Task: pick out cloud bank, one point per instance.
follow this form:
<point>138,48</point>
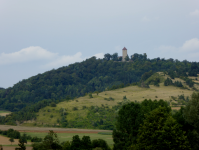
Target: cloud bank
<point>25,55</point>
<point>48,59</point>
<point>194,13</point>
<point>188,50</point>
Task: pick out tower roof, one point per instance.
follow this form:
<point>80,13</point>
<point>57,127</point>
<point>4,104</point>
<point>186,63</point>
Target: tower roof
<point>124,48</point>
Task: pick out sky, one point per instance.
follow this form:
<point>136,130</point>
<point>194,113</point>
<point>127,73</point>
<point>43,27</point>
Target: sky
<point>38,36</point>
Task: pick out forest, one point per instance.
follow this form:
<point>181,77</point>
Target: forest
<point>92,75</point>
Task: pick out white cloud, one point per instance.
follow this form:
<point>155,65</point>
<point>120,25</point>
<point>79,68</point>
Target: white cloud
<point>189,50</point>
<point>25,55</point>
<point>64,61</point>
<point>190,45</point>
<point>194,13</point>
<point>99,55</point>
<point>145,19</point>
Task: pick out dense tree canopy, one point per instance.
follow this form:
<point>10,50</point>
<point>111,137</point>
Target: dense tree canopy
<point>160,131</point>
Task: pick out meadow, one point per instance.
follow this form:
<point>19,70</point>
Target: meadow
<point>49,115</point>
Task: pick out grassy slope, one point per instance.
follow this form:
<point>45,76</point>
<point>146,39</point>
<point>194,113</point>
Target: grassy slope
<point>132,93</point>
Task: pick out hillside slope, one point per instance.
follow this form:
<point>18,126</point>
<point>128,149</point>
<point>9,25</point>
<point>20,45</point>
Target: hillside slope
<point>86,112</point>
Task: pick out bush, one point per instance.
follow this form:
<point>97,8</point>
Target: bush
<point>53,104</point>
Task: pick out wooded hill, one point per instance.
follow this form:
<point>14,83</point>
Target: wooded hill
<point>29,95</point>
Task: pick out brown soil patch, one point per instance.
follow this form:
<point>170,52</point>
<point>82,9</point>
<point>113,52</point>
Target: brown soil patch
<point>4,114</point>
<point>5,141</point>
<point>175,108</point>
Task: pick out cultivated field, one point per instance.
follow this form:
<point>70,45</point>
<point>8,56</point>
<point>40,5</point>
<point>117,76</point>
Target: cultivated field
<point>64,134</point>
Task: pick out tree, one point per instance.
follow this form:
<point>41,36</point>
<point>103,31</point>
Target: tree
<point>53,104</point>
<point>11,140</point>
<point>191,112</point>
<point>50,142</point>
<point>127,58</point>
<point>160,131</point>
<point>191,115</point>
<point>100,144</point>
<point>107,56</point>
<point>21,144</point>
<point>86,143</point>
<point>90,95</point>
<point>128,121</point>
<point>76,143</point>
<point>115,57</point>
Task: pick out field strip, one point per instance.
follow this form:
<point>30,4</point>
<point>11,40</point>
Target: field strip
<point>46,129</point>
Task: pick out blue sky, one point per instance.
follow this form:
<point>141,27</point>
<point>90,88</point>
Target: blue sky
<point>37,36</point>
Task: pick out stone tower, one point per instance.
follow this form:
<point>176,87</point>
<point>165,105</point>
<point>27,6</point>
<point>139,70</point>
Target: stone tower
<point>124,53</point>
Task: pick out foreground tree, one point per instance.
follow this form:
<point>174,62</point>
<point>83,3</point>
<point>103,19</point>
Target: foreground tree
<point>160,131</point>
<point>21,144</point>
<point>191,111</point>
<point>128,121</point>
<point>191,115</point>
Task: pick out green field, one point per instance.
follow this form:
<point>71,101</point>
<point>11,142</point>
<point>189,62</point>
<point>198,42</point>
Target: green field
<point>68,136</point>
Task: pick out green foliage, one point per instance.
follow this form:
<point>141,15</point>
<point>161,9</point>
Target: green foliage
<point>53,104</point>
<point>191,112</point>
<point>21,144</point>
<point>11,133</point>
<point>129,118</point>
<point>50,142</point>
<point>161,131</point>
<point>191,115</point>
<point>11,140</point>
<point>90,95</point>
<point>126,58</point>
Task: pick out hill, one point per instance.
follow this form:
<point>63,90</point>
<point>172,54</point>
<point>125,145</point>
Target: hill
<point>99,112</point>
<point>70,82</point>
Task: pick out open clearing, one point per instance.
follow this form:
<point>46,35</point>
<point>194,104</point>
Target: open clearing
<point>4,113</point>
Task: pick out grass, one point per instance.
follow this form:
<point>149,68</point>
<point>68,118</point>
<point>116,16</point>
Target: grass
<point>133,93</point>
<point>4,111</point>
<point>68,136</point>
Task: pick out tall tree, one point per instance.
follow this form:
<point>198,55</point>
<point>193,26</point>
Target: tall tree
<point>160,131</point>
<point>128,121</point>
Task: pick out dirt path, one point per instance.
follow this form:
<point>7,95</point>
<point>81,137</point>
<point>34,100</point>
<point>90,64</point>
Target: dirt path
<point>57,130</point>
